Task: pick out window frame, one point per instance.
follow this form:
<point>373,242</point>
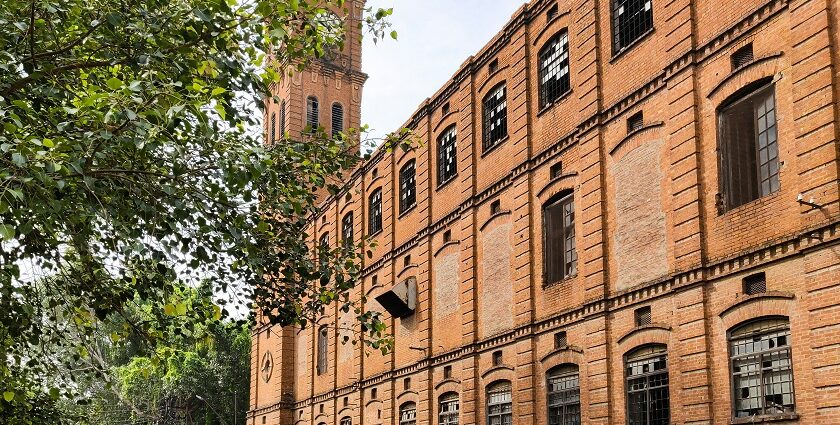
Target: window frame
<point>564,81</point>
<point>568,257</point>
<point>405,409</point>
<point>447,142</point>
<point>375,214</point>
<point>346,421</point>
<point>283,119</point>
<point>637,355</point>
<point>560,372</point>
<point>336,106</point>
<point>762,89</point>
<point>449,417</point>
<point>732,336</point>
<point>273,132</point>
<point>313,113</point>
<point>408,195</point>
<point>322,360</point>
<point>347,236</point>
<point>488,142</point>
<point>618,49</point>
<point>502,413</point>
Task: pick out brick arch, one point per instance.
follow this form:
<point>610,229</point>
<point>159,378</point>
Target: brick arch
<point>407,396</point>
<point>447,121</point>
<point>567,355</point>
<point>448,386</point>
<point>497,374</point>
<point>553,27</point>
<point>650,132</point>
<point>644,336</point>
<point>769,304</point>
<point>566,182</point>
<point>761,68</point>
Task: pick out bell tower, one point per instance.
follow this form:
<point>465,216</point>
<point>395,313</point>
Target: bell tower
<point>327,93</point>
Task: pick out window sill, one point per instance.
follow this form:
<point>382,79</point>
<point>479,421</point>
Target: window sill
<point>555,102</point>
<point>547,285</point>
<point>766,418</point>
<point>490,149</point>
<point>617,55</point>
<point>755,203</point>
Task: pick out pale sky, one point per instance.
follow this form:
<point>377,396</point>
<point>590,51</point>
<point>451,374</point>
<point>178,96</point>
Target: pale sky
<point>435,38</point>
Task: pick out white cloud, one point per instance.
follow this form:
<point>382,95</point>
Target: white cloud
<point>435,38</point>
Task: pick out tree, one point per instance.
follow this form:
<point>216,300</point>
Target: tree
<point>129,168</point>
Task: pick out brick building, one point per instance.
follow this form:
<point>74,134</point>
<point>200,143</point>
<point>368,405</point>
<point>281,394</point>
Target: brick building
<point>624,212</point>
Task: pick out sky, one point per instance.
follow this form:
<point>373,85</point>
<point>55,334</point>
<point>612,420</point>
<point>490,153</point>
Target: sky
<point>434,38</point>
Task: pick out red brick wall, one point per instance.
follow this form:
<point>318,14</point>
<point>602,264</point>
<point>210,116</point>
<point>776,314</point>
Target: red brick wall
<point>648,231</point>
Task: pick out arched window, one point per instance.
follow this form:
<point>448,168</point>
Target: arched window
<point>554,69</point>
<point>448,410</point>
<point>347,230</point>
<point>324,247</point>
<point>748,146</point>
<point>375,212</point>
<point>760,362</point>
<point>559,252</point>
<point>408,414</point>
<point>337,118</point>
<point>499,404</point>
<point>408,189</point>
<point>283,118</point>
<point>648,400</point>
<point>494,117</point>
<point>346,421</point>
<point>312,120</point>
<point>563,396</point>
<point>323,344</point>
<point>447,155</point>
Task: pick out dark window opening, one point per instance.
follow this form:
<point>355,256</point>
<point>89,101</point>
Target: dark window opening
<point>554,69</point>
<point>273,127</point>
<point>497,358</point>
<point>374,281</point>
<point>635,122</point>
<point>552,12</point>
<point>755,284</point>
<point>375,212</point>
<point>447,372</point>
<point>631,20</point>
<point>559,252</point>
<point>374,173</point>
<point>447,236</point>
<point>444,109</point>
<point>373,393</point>
<point>406,261</point>
<point>406,383</point>
<point>347,230</point>
<point>648,398</point>
<point>337,119</point>
<point>320,408</point>
<point>563,385</point>
<point>346,420</point>
<point>346,401</point>
<point>324,248</point>
<point>322,353</point>
<point>494,117</point>
<point>493,66</point>
<point>448,409</point>
<point>560,340</point>
<point>556,170</point>
<point>283,119</point>
<point>496,207</point>
<point>742,56</point>
<point>499,404</point>
<point>761,367</point>
<point>312,119</point>
<point>408,189</point>
<point>749,157</point>
<point>642,316</point>
<point>447,155</point>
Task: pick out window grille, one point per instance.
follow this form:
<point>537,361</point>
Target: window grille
<point>648,399</point>
<point>408,414</point>
<point>556,170</point>
<point>283,119</point>
<point>375,212</point>
<point>761,366</point>
<point>346,421</point>
<point>322,350</point>
<point>347,230</point>
<point>493,66</point>
<point>495,117</point>
<point>631,20</point>
<point>447,155</point>
<point>742,56</point>
<point>635,122</point>
<point>273,136</point>
<point>499,404</point>
<point>312,119</point>
<point>448,409</point>
<point>643,316</point>
<point>560,340</point>
<point>408,189</point>
<point>749,157</point>
<point>559,252</point>
<point>563,396</point>
<point>444,109</point>
<point>337,119</point>
<point>554,69</point>
<point>755,284</point>
<point>497,358</point>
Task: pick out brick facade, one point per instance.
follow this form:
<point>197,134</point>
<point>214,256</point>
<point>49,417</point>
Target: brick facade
<point>648,228</point>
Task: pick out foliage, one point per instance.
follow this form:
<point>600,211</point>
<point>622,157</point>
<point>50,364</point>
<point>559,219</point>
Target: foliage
<point>129,168</point>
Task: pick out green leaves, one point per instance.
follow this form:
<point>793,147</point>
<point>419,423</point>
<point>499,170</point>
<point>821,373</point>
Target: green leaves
<point>7,232</point>
<point>8,396</point>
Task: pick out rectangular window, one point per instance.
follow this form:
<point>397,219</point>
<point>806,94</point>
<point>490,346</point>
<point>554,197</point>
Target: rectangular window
<point>347,230</point>
<point>560,255</point>
<point>554,69</point>
<point>448,410</point>
<point>749,157</point>
<point>322,350</point>
<point>564,396</point>
<point>408,189</point>
<point>273,127</point>
<point>635,122</point>
<point>755,284</point>
<point>643,316</point>
<point>499,404</point>
<point>312,119</point>
<point>648,398</point>
<point>447,155</point>
<point>495,117</point>
<point>283,118</point>
<point>337,119</point>
<point>631,20</point>
<point>375,212</point>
